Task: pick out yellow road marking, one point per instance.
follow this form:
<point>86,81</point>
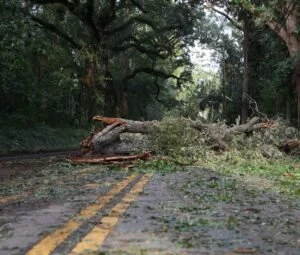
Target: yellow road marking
<point>50,242</point>
<point>95,238</point>
<point>6,199</point>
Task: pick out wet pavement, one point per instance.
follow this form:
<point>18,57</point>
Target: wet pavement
<point>68,209</point>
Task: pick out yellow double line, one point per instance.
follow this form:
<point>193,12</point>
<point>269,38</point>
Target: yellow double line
<point>93,240</point>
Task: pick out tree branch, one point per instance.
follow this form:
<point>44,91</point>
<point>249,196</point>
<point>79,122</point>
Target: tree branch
<point>55,30</point>
<point>282,33</point>
<point>235,23</point>
<point>89,19</point>
<point>149,70</point>
<point>138,5</point>
<point>107,15</point>
<point>140,48</point>
<point>141,19</point>
<point>63,2</point>
<point>84,15</point>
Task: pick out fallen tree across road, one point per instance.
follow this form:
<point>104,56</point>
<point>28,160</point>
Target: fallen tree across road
<point>129,137</point>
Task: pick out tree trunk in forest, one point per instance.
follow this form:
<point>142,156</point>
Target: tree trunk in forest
<point>246,27</point>
<point>78,115</point>
<point>288,103</point>
<point>110,96</point>
<point>247,66</point>
<point>123,90</point>
<point>297,74</point>
<point>91,102</point>
<point>224,84</point>
<point>288,33</point>
<point>124,103</point>
<point>296,78</point>
<point>88,82</point>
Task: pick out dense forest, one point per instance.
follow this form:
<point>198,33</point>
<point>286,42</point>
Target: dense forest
<point>63,61</point>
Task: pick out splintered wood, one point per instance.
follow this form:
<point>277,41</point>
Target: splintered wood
<point>109,121</point>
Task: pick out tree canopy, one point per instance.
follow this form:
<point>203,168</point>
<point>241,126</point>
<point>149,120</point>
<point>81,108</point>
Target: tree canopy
<point>64,61</point>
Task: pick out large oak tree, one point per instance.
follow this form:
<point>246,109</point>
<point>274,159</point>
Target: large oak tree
<point>106,29</point>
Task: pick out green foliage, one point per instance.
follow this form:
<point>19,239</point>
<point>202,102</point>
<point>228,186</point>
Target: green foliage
<point>283,174</point>
<point>157,165</point>
<point>45,55</point>
<point>37,77</point>
<point>223,100</point>
<point>202,95</point>
<point>273,89</point>
<point>256,154</point>
<point>38,137</point>
<point>175,138</point>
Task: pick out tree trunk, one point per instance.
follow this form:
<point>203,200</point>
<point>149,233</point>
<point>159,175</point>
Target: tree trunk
<point>224,84</point>
<point>288,103</point>
<point>110,141</point>
<point>124,103</point>
<point>247,66</point>
<point>110,95</point>
<point>290,36</point>
<point>124,87</point>
<point>297,78</point>
<point>91,102</point>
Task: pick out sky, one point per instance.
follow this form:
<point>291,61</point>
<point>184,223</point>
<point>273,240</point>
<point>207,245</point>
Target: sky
<point>202,57</point>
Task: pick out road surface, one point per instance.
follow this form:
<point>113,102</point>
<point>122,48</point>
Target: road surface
<point>57,208</point>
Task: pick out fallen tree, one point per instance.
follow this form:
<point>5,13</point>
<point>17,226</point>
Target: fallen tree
<point>110,141</point>
<point>125,137</point>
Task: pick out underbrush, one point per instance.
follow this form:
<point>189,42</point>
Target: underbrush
<point>39,138</point>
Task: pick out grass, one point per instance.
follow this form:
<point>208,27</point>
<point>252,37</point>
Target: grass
<point>281,175</point>
<point>39,138</point>
<point>157,165</point>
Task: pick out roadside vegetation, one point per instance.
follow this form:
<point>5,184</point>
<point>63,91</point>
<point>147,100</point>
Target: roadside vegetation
<point>39,138</point>
<point>259,156</point>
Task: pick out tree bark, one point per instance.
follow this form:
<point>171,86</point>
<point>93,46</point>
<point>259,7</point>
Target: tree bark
<point>110,141</point>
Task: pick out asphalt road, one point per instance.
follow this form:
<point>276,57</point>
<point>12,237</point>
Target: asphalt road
<point>66,209</point>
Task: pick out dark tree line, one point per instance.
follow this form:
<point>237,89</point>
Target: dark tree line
<point>138,37</point>
<point>64,61</point>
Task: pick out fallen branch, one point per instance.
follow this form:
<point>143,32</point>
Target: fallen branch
<point>109,121</point>
<point>244,128</point>
<point>107,159</point>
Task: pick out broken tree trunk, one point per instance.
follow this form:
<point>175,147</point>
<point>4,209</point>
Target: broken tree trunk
<point>116,139</point>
